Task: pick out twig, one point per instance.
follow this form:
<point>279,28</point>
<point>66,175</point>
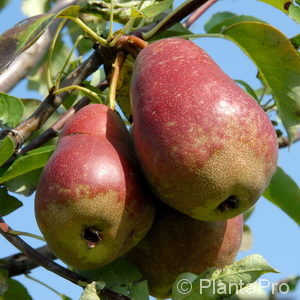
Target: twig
<point>24,130</point>
<point>19,263</point>
<point>38,258</point>
<point>284,141</point>
<point>198,13</point>
<point>117,66</point>
<point>28,59</point>
<point>180,13</point>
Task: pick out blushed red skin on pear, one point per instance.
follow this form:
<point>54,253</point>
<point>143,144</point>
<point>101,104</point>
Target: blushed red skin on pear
<point>92,182</point>
<point>199,137</point>
<point>178,244</point>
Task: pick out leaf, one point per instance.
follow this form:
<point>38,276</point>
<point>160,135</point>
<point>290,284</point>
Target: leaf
<point>3,3</point>
<point>156,8</point>
<point>292,283</point>
<point>71,11</point>
<point>24,184</point>
<point>248,88</point>
<point>8,203</point>
<point>33,7</point>
<point>19,38</point>
<point>33,160</point>
<point>90,292</point>
<point>3,281</point>
<point>11,110</point>
<point>7,149</point>
<point>294,12</point>
<point>278,63</point>
<point>140,291</point>
<point>284,193</point>
<point>225,281</point>
<point>15,291</point>
<point>220,21</point>
<point>253,291</point>
<point>247,239</point>
<point>118,276</point>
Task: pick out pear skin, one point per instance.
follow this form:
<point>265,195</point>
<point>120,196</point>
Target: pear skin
<point>91,203</point>
<point>178,243</point>
<point>206,147</point>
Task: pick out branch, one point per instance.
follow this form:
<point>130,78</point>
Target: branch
<point>198,13</point>
<point>22,65</point>
<point>38,258</point>
<point>43,257</point>
<point>19,263</point>
<point>24,130</point>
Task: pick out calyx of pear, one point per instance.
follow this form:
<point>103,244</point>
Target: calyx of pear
<point>178,244</point>
<point>206,147</point>
<point>91,204</point>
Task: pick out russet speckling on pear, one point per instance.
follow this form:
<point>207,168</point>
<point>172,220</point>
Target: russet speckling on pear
<point>206,147</point>
<point>91,204</point>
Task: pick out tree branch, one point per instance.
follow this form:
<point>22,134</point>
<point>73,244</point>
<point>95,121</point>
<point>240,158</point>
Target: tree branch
<point>37,257</point>
<point>42,257</point>
<point>198,13</point>
<point>24,130</point>
<point>22,65</point>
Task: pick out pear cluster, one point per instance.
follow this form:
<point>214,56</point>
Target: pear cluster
<point>171,196</point>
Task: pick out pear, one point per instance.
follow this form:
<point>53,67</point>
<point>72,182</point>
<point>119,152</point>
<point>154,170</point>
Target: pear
<point>178,244</point>
<point>206,147</point>
<point>91,203</point>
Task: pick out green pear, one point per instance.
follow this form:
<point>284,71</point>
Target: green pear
<point>178,243</point>
<point>91,203</point>
<point>206,147</point>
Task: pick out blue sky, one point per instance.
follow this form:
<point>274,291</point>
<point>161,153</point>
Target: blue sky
<point>276,236</point>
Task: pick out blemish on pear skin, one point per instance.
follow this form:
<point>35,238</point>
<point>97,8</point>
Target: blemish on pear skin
<point>92,236</point>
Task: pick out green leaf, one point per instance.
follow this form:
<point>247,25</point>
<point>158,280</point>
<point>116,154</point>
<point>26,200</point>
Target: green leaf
<point>293,283</point>
<point>278,63</point>
<point>19,38</point>
<point>71,11</point>
<point>3,281</point>
<point>33,160</point>
<point>284,193</point>
<point>294,12</point>
<point>15,291</point>
<point>3,3</point>
<point>118,276</point>
<point>90,292</point>
<point>7,149</point>
<point>220,21</point>
<point>24,184</point>
<point>156,8</point>
<point>226,281</point>
<point>253,291</point>
<point>248,88</point>
<point>8,203</point>
<point>11,110</point>
<point>140,291</point>
<point>247,239</point>
<point>296,41</point>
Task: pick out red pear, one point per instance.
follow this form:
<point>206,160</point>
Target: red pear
<point>178,244</point>
<point>91,203</point>
<point>206,147</point>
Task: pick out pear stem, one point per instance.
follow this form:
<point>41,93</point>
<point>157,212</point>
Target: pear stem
<point>117,66</point>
